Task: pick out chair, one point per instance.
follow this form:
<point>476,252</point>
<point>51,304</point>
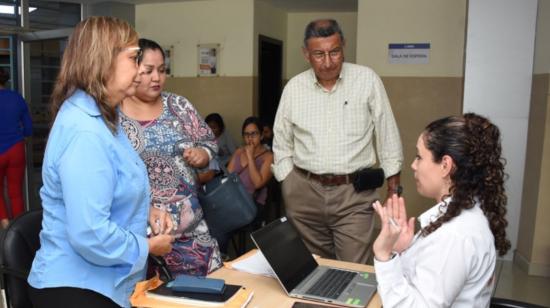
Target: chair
<point>274,204</point>
<point>509,303</point>
<point>19,246</point>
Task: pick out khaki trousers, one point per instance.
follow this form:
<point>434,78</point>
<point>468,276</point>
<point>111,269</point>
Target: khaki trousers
<point>334,221</point>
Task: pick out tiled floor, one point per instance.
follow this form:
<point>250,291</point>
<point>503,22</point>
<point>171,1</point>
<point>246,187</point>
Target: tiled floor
<point>514,283</point>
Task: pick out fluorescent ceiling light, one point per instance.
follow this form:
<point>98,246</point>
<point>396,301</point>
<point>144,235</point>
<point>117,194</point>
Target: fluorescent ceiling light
<point>6,9</point>
<point>9,9</point>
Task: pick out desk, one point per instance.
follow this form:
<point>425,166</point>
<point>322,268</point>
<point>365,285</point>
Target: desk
<point>268,293</point>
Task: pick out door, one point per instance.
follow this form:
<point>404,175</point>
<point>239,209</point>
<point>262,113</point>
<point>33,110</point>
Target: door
<point>41,58</point>
<point>270,73</point>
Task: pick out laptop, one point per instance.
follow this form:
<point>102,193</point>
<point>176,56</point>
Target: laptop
<point>301,276</point>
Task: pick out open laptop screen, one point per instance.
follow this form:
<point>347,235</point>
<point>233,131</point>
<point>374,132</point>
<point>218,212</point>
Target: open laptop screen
<point>283,248</point>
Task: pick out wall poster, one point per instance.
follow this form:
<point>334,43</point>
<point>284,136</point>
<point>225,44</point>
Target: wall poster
<point>208,59</point>
<point>168,56</point>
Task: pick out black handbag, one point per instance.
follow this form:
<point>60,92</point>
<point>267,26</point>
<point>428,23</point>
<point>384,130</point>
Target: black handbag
<point>226,204</point>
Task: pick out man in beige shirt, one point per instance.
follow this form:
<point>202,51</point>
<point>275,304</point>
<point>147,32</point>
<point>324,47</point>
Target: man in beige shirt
<point>328,119</point>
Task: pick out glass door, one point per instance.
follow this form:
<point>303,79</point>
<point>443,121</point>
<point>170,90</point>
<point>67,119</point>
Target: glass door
<point>33,35</point>
<point>7,59</point>
<point>42,53</point>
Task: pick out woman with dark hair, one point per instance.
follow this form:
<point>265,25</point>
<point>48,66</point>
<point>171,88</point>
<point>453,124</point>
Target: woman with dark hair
<point>226,144</point>
<point>93,244</point>
<point>451,260</point>
<point>172,139</point>
<point>252,162</point>
<point>15,126</point>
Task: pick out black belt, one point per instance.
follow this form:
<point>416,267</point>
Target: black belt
<point>328,179</point>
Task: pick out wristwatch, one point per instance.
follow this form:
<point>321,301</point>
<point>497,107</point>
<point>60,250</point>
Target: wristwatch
<point>397,190</point>
<point>392,256</point>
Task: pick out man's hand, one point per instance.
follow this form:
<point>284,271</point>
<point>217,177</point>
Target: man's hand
<point>393,184</point>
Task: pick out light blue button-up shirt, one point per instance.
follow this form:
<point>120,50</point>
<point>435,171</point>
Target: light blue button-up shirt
<point>96,203</point>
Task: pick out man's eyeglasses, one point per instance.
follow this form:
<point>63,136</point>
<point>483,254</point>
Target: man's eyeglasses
<point>251,134</point>
<point>334,54</point>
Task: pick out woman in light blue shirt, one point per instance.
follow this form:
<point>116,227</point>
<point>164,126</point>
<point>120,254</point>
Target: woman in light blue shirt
<point>96,193</point>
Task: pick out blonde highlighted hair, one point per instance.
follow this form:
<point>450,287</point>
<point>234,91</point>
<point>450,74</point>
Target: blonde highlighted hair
<point>88,62</point>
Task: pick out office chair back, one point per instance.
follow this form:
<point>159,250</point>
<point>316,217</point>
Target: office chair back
<point>19,246</point>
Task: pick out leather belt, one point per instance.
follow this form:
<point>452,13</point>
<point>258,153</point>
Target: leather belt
<point>328,179</point>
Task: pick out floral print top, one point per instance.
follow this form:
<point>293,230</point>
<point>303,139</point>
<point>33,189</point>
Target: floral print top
<point>160,143</point>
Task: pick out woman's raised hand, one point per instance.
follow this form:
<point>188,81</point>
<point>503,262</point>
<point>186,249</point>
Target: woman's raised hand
<point>249,151</point>
<point>397,232</point>
<point>406,224</point>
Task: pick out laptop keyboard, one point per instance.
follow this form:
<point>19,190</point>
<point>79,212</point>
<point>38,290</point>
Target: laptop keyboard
<point>331,284</point>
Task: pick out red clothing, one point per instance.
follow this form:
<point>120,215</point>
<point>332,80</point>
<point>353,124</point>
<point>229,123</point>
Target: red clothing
<point>12,167</point>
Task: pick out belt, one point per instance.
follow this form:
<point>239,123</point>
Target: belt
<point>328,179</point>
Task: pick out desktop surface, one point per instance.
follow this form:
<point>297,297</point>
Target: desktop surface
<point>269,293</point>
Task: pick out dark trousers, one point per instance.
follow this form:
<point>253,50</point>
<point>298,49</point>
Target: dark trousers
<point>69,297</point>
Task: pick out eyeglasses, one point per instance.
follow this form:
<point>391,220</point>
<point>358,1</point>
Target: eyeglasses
<point>251,134</point>
<point>319,55</point>
<point>139,53</point>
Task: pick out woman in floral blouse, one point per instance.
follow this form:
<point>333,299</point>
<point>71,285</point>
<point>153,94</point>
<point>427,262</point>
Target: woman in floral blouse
<point>173,141</point>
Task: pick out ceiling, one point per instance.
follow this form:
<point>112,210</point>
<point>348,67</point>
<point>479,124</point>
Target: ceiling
<point>53,14</point>
<point>288,5</point>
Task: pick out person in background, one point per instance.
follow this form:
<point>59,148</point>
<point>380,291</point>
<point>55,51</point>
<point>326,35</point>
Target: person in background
<point>95,198</point>
<point>267,136</point>
<point>252,162</point>
<point>226,144</point>
<point>173,141</point>
<point>450,262</point>
<point>328,121</point>
<point>15,126</point>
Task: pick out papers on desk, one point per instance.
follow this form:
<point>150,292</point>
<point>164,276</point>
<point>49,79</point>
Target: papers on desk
<point>253,262</point>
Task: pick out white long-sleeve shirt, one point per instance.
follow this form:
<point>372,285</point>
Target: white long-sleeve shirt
<point>451,267</point>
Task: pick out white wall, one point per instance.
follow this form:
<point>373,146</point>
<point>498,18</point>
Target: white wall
<point>438,22</point>
<point>297,22</point>
<point>498,74</point>
<point>186,24</point>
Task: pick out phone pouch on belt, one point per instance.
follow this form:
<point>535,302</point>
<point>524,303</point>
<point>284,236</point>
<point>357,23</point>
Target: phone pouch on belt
<point>369,178</point>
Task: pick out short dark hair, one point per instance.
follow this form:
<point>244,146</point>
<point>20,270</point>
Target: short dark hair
<point>252,120</point>
<point>4,76</point>
<point>322,28</point>
<point>147,44</point>
<point>216,118</point>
